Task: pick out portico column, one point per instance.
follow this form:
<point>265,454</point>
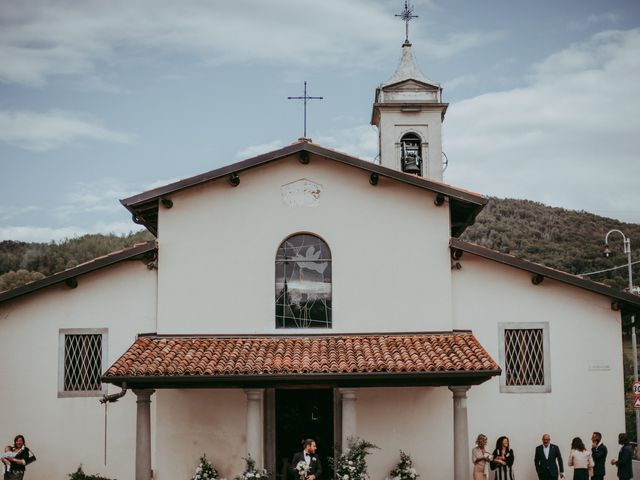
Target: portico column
<point>143,434</point>
<point>460,433</point>
<point>254,424</point>
<point>349,415</point>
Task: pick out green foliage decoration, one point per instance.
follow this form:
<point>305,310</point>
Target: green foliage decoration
<point>80,475</point>
<point>404,469</point>
<point>352,464</point>
<point>204,470</point>
<point>251,472</point>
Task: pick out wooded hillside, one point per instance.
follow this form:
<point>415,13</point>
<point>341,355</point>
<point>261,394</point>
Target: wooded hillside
<point>568,240</point>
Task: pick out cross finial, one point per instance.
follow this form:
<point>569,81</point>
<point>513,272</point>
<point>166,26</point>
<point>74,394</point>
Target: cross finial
<point>306,98</point>
<point>406,16</point>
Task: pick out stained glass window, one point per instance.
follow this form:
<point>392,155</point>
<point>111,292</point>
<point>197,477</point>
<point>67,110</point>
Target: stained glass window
<point>303,283</point>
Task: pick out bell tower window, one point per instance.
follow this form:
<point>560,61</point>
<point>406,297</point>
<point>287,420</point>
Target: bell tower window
<point>411,154</point>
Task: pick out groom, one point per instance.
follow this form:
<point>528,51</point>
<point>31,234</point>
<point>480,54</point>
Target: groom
<point>308,455</point>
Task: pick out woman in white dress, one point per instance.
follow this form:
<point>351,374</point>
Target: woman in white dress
<point>580,459</point>
<point>480,459</point>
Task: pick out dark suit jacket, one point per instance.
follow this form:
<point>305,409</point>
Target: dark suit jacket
<point>548,468</point>
<point>315,467</point>
<point>625,469</point>
<point>599,456</point>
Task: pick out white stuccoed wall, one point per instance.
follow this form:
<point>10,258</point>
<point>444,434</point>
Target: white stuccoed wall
<point>584,333</point>
<point>65,432</point>
<point>196,422</point>
<point>218,246</point>
<point>416,420</point>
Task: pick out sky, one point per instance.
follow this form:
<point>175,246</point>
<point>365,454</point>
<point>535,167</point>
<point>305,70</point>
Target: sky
<point>102,100</point>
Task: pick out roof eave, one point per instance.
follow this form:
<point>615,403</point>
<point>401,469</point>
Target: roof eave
<point>129,254</point>
<point>377,379</point>
<point>629,300</point>
<point>148,201</point>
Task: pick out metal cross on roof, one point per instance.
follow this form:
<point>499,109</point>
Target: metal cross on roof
<point>306,98</point>
<point>406,16</point>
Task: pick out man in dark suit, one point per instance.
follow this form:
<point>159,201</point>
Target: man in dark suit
<point>599,455</point>
<point>625,469</point>
<point>548,460</point>
<point>308,456</point>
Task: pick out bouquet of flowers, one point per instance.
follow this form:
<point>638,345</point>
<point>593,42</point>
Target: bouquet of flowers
<point>303,469</point>
<point>404,470</point>
<point>352,465</point>
<point>250,471</point>
<point>205,470</point>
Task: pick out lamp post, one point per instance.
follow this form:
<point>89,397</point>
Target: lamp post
<point>626,242</point>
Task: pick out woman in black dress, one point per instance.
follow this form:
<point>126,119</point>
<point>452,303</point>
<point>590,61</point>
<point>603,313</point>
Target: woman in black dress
<point>502,463</point>
<point>19,460</point>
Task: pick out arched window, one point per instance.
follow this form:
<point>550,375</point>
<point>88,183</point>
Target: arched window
<point>411,153</point>
<point>303,283</point>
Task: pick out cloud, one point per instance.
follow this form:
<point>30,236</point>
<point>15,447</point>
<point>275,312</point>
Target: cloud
<point>49,234</point>
<point>8,213</point>
<point>568,138</point>
<point>43,131</point>
<point>360,141</point>
<point>44,38</point>
<point>595,19</point>
<point>39,234</point>
<point>455,43</point>
<point>253,150</point>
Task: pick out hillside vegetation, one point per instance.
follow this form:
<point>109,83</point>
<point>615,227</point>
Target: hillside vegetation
<point>568,240</point>
<point>22,262</point>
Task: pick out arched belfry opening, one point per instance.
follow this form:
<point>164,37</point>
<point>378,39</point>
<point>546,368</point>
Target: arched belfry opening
<point>411,154</point>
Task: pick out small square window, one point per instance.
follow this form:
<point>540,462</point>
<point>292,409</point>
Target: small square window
<point>524,357</point>
<point>82,359</point>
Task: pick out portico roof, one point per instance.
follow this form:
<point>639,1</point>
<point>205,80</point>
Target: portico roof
<point>408,359</point>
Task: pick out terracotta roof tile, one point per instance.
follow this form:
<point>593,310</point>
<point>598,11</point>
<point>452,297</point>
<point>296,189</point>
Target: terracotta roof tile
<point>155,356</point>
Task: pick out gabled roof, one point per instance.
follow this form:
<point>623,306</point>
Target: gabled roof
<point>143,251</point>
<point>365,359</point>
<point>408,70</point>
<point>464,205</point>
<point>620,299</point>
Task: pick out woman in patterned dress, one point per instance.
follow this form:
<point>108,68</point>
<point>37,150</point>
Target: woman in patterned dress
<point>502,463</point>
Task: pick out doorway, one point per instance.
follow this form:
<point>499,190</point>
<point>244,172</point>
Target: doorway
<point>302,414</point>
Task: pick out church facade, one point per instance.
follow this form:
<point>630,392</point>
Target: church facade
<point>307,293</point>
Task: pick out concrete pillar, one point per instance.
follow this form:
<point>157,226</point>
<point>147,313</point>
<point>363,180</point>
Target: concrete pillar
<point>349,415</point>
<point>461,454</point>
<point>143,434</point>
<point>254,425</point>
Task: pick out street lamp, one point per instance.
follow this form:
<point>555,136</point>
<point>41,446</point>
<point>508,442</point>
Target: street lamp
<point>626,242</point>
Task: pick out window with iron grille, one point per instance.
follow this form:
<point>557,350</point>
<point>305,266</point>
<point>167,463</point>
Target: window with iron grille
<point>82,359</point>
<point>524,357</point>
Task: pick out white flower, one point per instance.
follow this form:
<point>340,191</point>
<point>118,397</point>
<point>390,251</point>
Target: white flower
<point>345,477</point>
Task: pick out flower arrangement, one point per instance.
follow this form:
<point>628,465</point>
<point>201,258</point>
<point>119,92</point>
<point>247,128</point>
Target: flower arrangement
<point>250,471</point>
<point>205,470</point>
<point>404,470</point>
<point>303,469</point>
<point>351,465</point>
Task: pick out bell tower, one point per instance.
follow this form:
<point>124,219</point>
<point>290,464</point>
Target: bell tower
<point>409,112</point>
